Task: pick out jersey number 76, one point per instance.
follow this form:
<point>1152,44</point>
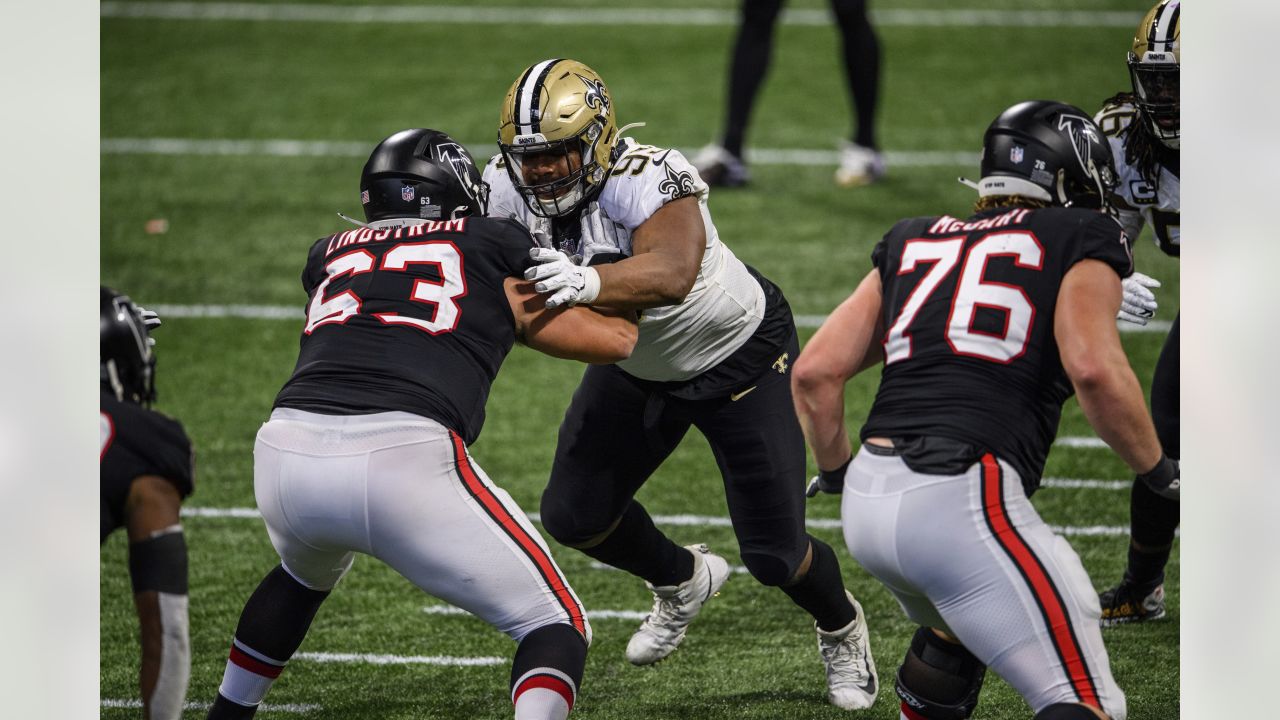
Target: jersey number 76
<point>972,291</point>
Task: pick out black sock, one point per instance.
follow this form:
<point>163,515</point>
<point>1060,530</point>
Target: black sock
<point>637,546</point>
<point>544,656</point>
<point>278,614</point>
<point>861,65</point>
<point>750,62</point>
<point>1154,522</point>
<point>821,591</point>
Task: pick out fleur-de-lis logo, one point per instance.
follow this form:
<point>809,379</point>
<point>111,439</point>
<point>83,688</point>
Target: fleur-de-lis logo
<point>596,97</point>
<point>677,185</point>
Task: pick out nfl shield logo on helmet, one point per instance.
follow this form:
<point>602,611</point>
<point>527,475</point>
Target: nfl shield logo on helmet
<point>1015,154</point>
<point>406,193</point>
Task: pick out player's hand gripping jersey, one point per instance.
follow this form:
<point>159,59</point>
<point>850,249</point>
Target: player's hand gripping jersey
<point>677,342</point>
<point>969,310</point>
<point>414,319</point>
<point>1150,195</point>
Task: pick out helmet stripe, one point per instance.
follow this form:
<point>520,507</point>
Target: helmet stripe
<point>1162,29</point>
<point>527,95</point>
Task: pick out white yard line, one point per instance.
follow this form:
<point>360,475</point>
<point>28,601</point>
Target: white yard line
<point>1080,442</point>
<point>293,708</point>
<point>375,659</point>
<point>613,17</point>
<point>717,521</point>
<point>292,312</point>
<point>591,614</point>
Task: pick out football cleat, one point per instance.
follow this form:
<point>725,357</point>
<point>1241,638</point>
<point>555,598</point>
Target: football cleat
<point>675,606</point>
<point>859,165</point>
<point>720,168</point>
<point>851,671</point>
<point>1125,603</point>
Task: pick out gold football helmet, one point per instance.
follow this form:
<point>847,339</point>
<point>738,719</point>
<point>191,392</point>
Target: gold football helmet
<point>1153,67</point>
<point>557,134</point>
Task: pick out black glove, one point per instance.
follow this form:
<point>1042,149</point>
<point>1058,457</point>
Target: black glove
<point>1164,479</point>
<point>828,481</point>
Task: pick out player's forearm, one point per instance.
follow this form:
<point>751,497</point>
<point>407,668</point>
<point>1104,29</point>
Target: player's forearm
<point>644,281</point>
<point>1112,402</point>
<point>819,402</point>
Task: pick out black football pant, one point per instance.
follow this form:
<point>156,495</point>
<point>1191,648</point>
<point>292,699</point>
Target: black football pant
<point>754,46</point>
<point>1154,519</point>
<point>618,430</point>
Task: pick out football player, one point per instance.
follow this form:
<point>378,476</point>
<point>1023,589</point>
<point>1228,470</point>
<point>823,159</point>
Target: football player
<point>146,469</point>
<point>984,326</point>
<point>1144,132</point>
<point>408,321</point>
<point>625,225</point>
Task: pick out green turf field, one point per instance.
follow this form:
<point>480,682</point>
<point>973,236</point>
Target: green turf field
<point>239,225</point>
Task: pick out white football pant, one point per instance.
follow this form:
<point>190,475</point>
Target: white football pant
<point>403,489</point>
<point>969,555</point>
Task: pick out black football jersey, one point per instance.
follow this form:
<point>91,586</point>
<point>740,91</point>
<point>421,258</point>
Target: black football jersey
<point>414,319</point>
<point>968,308</point>
<point>136,441</point>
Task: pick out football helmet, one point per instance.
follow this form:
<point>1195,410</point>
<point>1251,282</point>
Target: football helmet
<point>422,174</point>
<point>557,108</point>
<point>1153,67</point>
<point>1049,151</point>
<point>127,363</point>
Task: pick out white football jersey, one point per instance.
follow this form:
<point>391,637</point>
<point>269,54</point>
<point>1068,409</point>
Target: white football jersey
<point>1156,205</point>
<point>726,303</point>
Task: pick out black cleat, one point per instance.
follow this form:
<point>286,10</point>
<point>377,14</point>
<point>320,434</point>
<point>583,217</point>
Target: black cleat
<point>1125,603</point>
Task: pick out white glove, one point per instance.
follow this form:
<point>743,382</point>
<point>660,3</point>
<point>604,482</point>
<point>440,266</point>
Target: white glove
<point>1139,303</point>
<point>149,318</point>
<point>556,274</point>
<point>601,235</point>
<point>541,231</point>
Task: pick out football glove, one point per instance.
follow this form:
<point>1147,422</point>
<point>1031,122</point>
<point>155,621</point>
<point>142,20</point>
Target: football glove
<point>1139,303</point>
<point>1165,479</point>
<point>829,481</point>
<point>557,275</point>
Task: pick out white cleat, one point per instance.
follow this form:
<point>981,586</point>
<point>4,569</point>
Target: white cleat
<point>675,606</point>
<point>720,168</point>
<point>859,165</point>
<point>851,671</point>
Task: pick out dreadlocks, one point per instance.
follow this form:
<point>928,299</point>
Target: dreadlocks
<point>1139,147</point>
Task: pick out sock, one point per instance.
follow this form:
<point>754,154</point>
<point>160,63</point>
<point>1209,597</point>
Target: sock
<point>272,626</point>
<point>547,672</point>
<point>637,546</point>
<point>861,65</point>
<point>1153,524</point>
<point>750,62</point>
<point>821,591</point>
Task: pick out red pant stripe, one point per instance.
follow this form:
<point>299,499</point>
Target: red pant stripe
<point>550,682</point>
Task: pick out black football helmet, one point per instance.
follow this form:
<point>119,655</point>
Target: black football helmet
<point>1049,151</point>
<point>126,360</point>
<point>422,174</point>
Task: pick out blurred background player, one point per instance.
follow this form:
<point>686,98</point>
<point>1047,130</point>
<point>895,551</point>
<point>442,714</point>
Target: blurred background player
<point>985,326</point>
<point>146,469</point>
<point>626,226</point>
<point>860,160</point>
<point>409,320</point>
<point>1144,131</point>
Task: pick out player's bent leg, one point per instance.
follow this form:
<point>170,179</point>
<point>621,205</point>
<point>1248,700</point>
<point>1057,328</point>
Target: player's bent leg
<point>675,606</point>
<point>547,672</point>
<point>939,679</point>
<point>272,626</point>
<point>1070,711</point>
<point>158,572</point>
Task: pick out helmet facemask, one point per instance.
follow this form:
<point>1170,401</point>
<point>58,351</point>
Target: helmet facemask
<point>1156,89</point>
<point>562,195</point>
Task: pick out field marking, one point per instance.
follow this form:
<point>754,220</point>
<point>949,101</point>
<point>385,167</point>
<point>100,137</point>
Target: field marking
<point>374,659</point>
<point>717,521</point>
<point>295,708</point>
<point>735,569</point>
<point>352,149</point>
<point>290,312</point>
<point>1080,442</point>
<point>591,614</point>
<point>464,15</point>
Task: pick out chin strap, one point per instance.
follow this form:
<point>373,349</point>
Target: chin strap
<point>352,220</point>
<point>967,182</point>
<point>627,127</point>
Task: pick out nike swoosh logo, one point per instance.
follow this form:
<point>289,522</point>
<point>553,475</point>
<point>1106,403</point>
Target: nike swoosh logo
<point>660,160</point>
<point>735,397</point>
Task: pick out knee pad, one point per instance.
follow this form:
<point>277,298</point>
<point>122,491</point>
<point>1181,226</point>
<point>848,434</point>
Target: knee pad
<point>1066,711</point>
<point>767,568</point>
<point>938,679</point>
<point>159,563</point>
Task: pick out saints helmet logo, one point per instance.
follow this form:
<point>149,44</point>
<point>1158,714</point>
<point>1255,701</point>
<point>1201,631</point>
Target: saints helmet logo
<point>1082,133</point>
<point>677,185</point>
<point>596,97</point>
